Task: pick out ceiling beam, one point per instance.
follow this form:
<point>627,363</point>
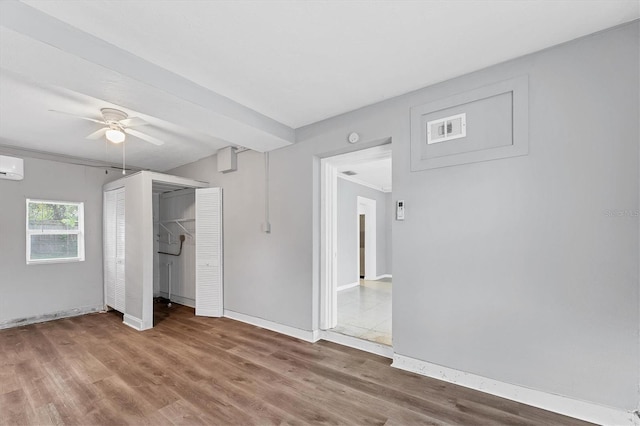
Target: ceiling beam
<point>43,48</point>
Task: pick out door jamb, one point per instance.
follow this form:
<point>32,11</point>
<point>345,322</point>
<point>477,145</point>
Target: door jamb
<point>328,245</point>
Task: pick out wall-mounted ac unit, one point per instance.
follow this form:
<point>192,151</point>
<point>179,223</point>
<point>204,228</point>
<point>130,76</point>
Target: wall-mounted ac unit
<point>11,168</point>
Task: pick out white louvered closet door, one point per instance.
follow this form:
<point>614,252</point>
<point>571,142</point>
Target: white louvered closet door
<point>120,259</point>
<point>109,238</point>
<point>113,237</point>
<point>209,295</point>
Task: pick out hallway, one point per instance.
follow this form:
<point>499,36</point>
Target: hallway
<point>365,311</point>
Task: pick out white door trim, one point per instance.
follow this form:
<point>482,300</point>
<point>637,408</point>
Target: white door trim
<point>329,224</point>
<point>328,244</point>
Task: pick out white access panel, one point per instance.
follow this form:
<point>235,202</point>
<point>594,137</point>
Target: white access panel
<point>209,297</point>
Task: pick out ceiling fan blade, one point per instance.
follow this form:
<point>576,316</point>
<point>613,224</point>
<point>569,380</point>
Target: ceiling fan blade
<point>98,133</point>
<point>144,137</point>
<point>133,122</point>
<point>78,116</point>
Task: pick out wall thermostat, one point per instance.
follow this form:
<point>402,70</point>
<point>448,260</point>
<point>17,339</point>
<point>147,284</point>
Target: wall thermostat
<point>354,137</point>
<point>400,210</point>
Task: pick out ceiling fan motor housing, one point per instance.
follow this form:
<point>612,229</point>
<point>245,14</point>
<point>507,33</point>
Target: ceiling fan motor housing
<point>112,116</point>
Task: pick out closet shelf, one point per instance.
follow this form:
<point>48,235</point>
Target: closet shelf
<point>177,222</point>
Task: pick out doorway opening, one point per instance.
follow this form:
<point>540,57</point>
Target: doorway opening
<point>366,231</point>
<point>356,256</point>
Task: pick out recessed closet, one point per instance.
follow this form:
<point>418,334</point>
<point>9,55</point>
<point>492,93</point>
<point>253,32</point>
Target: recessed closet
<point>162,238</point>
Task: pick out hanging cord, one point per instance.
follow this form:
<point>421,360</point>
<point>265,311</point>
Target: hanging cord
<point>106,154</point>
<point>182,238</point>
<point>123,153</point>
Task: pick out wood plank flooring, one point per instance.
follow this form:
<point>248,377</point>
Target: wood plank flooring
<point>94,370</point>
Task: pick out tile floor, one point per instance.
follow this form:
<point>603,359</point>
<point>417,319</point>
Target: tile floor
<point>365,311</point>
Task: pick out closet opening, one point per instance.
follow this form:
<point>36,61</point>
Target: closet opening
<point>174,265</point>
<point>162,246</point>
<point>187,250</point>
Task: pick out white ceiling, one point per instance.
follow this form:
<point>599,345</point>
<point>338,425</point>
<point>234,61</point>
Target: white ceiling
<point>372,167</point>
<point>25,116</point>
<point>375,174</point>
<point>214,73</point>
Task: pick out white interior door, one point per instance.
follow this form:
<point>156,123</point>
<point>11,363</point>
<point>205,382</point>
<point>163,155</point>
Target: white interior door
<point>209,296</point>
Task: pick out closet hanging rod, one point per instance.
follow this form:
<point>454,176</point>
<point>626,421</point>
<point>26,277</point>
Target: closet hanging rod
<point>177,220</point>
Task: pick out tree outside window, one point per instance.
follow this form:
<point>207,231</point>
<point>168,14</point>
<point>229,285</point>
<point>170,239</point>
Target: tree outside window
<point>55,231</point>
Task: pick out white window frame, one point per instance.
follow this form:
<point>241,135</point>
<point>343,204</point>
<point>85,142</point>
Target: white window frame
<point>79,232</point>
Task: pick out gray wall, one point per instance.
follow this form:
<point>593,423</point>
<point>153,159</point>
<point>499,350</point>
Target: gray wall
<point>42,289</point>
<point>348,262</point>
<point>511,269</point>
<point>265,275</point>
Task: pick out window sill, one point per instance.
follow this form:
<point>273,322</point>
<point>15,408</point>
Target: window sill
<point>46,261</point>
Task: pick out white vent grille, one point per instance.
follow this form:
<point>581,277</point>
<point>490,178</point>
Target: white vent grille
<point>446,129</point>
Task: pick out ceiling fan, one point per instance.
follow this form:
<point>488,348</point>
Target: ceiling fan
<point>116,123</point>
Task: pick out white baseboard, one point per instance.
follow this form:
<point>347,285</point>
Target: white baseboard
<point>133,322</point>
<point>559,404</point>
<point>306,335</point>
<point>379,277</point>
<point>18,322</point>
<point>354,342</point>
<point>346,286</point>
<point>186,301</point>
<point>313,336</point>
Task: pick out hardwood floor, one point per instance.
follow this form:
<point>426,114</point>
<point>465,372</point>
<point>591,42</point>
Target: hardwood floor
<point>94,370</point>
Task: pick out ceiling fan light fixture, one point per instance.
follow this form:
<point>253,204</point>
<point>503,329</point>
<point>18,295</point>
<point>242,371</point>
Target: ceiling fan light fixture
<point>115,135</point>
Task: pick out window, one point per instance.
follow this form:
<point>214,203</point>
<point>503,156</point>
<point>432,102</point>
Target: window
<point>55,231</point>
